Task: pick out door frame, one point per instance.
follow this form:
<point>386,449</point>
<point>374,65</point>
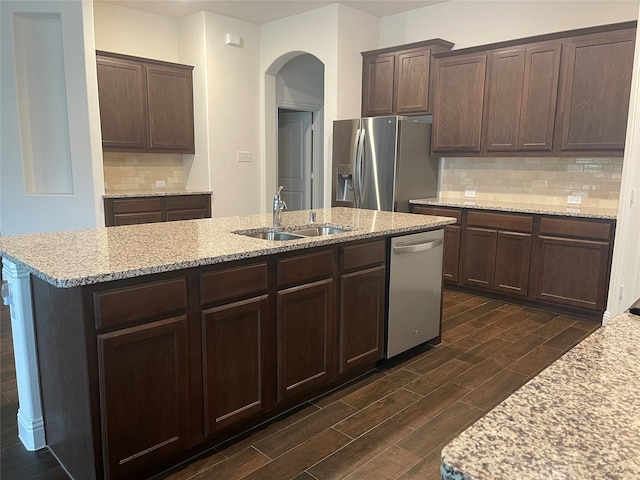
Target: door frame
<point>317,143</point>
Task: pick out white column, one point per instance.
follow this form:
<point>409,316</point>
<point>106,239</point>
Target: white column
<point>18,296</point>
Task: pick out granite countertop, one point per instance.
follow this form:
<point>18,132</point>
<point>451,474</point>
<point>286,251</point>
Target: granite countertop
<point>562,210</point>
<point>154,193</point>
<point>578,419</point>
<point>83,257</point>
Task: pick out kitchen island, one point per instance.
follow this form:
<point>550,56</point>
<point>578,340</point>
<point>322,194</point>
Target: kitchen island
<point>579,418</point>
<point>157,341</point>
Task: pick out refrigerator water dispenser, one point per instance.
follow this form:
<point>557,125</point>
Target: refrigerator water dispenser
<point>344,183</point>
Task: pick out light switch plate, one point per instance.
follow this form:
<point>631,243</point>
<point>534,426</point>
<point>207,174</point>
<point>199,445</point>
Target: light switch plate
<point>574,200</point>
<point>244,156</point>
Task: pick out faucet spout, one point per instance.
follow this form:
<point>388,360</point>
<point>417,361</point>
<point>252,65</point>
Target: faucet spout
<point>278,207</point>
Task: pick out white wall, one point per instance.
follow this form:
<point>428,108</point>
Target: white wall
<point>300,82</point>
<point>30,213</point>
<point>132,32</point>
<point>336,35</point>
<point>624,288</point>
<point>226,93</point>
<point>469,23</point>
<point>233,85</point>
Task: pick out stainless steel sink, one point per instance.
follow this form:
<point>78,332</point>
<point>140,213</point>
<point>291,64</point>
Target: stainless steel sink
<point>319,231</point>
<point>271,235</point>
<point>297,234</point>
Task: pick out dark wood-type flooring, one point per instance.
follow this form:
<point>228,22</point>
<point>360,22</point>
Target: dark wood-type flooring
<point>390,424</point>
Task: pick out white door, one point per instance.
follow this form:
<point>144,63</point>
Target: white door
<point>295,144</point>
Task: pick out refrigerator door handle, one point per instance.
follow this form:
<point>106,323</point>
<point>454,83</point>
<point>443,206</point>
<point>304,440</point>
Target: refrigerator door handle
<point>360,169</point>
<point>356,155</point>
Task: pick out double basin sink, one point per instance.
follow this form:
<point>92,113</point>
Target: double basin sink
<point>294,234</point>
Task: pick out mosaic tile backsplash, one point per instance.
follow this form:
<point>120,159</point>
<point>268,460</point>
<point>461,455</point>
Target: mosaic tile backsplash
<point>541,180</point>
<point>130,171</point>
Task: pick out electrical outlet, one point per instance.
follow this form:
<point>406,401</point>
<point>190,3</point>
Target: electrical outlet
<point>244,156</point>
<point>574,200</point>
<point>159,183</point>
<point>470,193</point>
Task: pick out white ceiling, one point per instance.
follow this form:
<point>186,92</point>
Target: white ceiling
<point>264,11</point>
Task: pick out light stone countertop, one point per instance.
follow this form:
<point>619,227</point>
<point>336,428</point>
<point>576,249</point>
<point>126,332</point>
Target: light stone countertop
<point>561,210</point>
<point>83,257</point>
<point>578,419</point>
<point>153,193</point>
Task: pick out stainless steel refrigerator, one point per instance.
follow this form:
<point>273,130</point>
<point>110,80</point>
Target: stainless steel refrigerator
<point>380,163</point>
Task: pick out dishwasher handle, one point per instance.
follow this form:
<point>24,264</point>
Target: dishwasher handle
<point>416,247</point>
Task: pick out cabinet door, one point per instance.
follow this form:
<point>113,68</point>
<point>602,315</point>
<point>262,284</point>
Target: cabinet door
<point>143,375</point>
<point>451,255</point>
<point>170,96</point>
<point>572,272</point>
<point>478,257</point>
<point>539,97</point>
<point>122,97</point>
<point>595,96</point>
<point>377,84</point>
<point>512,263</point>
<point>305,326</point>
<point>412,82</point>
<point>458,103</point>
<point>506,71</point>
<point>234,362</point>
<point>362,296</point>
<point>521,103</point>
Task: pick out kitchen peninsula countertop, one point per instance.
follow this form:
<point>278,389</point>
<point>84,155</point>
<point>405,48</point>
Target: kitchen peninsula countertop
<point>83,257</point>
<point>153,193</point>
<point>579,418</point>
<point>543,209</point>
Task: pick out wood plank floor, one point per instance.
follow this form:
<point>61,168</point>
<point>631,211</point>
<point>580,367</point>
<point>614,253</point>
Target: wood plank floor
<point>390,424</point>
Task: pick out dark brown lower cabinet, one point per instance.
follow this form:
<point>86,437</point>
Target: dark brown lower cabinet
<point>234,363</point>
<point>362,301</point>
<point>451,255</point>
<point>141,373</point>
<point>479,257</point>
<point>143,377</point>
<point>554,262</point>
<point>452,239</point>
<point>572,262</point>
<point>305,323</point>
<point>513,251</point>
<point>151,209</point>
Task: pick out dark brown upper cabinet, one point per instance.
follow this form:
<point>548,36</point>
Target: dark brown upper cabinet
<point>145,105</point>
<point>596,90</point>
<point>396,80</point>
<point>562,94</point>
<point>458,103</point>
<point>521,100</point>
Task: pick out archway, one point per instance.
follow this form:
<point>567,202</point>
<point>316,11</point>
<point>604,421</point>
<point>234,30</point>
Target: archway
<point>294,97</point>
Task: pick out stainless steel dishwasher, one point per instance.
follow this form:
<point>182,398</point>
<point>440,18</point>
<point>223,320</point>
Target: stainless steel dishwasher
<point>415,290</point>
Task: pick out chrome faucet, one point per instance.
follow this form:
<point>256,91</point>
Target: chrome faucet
<point>278,207</point>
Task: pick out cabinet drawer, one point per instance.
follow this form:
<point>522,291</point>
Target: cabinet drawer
<point>147,301</point>
<point>360,256</point>
<point>137,205</point>
<point>136,218</point>
<point>501,221</point>
<point>575,228</point>
<point>439,212</point>
<point>187,202</point>
<point>186,215</point>
<point>233,283</point>
<point>305,268</point>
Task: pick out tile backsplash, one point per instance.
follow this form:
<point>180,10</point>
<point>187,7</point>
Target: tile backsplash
<point>131,171</point>
<point>543,180</point>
